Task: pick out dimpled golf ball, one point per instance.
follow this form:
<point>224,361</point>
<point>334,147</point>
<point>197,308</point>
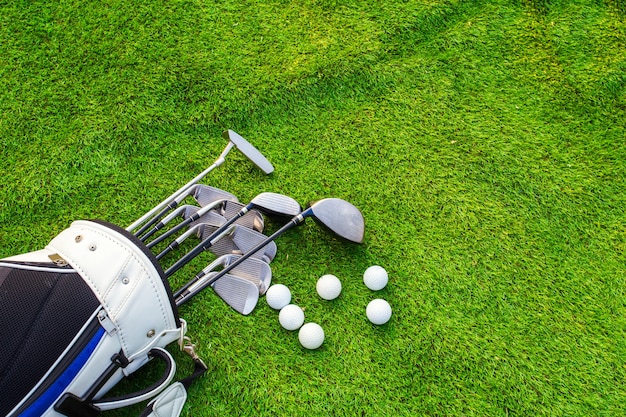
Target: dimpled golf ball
<point>291,317</point>
<point>328,287</point>
<point>378,311</point>
<point>375,277</point>
<point>311,335</point>
<point>278,296</point>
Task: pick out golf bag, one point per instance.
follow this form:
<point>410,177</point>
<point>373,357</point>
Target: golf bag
<point>77,317</point>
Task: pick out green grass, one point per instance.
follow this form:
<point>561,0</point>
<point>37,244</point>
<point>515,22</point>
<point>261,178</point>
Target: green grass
<point>484,142</point>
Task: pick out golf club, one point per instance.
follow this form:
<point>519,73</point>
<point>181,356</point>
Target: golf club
<point>203,194</point>
<point>234,140</point>
<point>211,218</point>
<point>239,241</point>
<point>269,203</point>
<point>238,293</point>
<point>184,211</point>
<point>336,215</point>
<point>253,219</point>
<point>251,269</point>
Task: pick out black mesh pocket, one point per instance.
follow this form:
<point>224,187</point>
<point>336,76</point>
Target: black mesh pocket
<point>42,310</point>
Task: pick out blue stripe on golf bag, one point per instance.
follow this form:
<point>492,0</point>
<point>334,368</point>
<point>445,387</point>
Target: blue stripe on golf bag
<point>45,401</point>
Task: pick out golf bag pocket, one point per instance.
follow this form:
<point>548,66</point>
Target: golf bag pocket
<point>77,317</point>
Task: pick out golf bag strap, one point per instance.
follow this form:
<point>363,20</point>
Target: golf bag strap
<point>146,393</point>
<point>72,406</point>
<point>199,369</point>
<point>169,403</point>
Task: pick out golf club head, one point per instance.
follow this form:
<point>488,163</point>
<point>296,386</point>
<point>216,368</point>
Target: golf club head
<point>237,242</point>
<point>248,150</point>
<point>276,204</point>
<point>211,218</point>
<point>253,270</point>
<point>205,194</point>
<point>339,216</point>
<point>240,294</point>
<point>245,239</point>
<point>252,219</point>
<point>183,211</point>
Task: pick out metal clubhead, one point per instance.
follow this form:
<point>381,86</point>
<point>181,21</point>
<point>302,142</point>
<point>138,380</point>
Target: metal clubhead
<point>234,140</point>
<point>238,241</point>
<point>252,219</point>
<point>205,194</point>
<point>249,151</point>
<point>240,294</point>
<point>276,204</point>
<point>339,216</point>
<point>254,270</point>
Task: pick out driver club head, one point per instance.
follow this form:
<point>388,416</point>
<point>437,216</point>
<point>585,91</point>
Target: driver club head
<point>339,216</point>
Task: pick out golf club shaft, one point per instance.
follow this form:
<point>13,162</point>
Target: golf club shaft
<point>192,218</point>
<point>183,293</point>
<point>219,161</point>
<point>170,206</point>
<point>206,243</point>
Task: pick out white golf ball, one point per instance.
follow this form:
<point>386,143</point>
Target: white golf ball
<point>291,317</point>
<point>311,335</point>
<point>278,296</point>
<point>378,311</point>
<point>328,287</point>
<point>375,277</point>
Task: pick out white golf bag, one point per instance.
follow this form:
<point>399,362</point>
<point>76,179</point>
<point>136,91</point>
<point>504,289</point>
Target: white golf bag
<point>79,316</point>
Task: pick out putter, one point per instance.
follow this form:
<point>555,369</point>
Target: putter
<point>269,203</point>
<point>254,270</point>
<point>234,140</point>
<point>336,215</point>
<point>239,241</point>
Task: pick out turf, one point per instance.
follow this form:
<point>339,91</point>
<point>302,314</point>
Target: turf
<point>482,140</point>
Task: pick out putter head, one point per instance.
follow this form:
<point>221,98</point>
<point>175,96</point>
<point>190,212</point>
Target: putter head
<point>249,151</point>
<point>339,216</point>
<point>277,204</point>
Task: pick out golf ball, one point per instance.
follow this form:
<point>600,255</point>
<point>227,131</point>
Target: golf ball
<point>375,277</point>
<point>311,335</point>
<point>291,317</point>
<point>278,296</point>
<point>328,287</point>
<point>378,311</point>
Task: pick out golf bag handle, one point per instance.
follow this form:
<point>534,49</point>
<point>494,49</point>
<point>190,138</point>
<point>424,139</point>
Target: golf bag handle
<point>73,406</point>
